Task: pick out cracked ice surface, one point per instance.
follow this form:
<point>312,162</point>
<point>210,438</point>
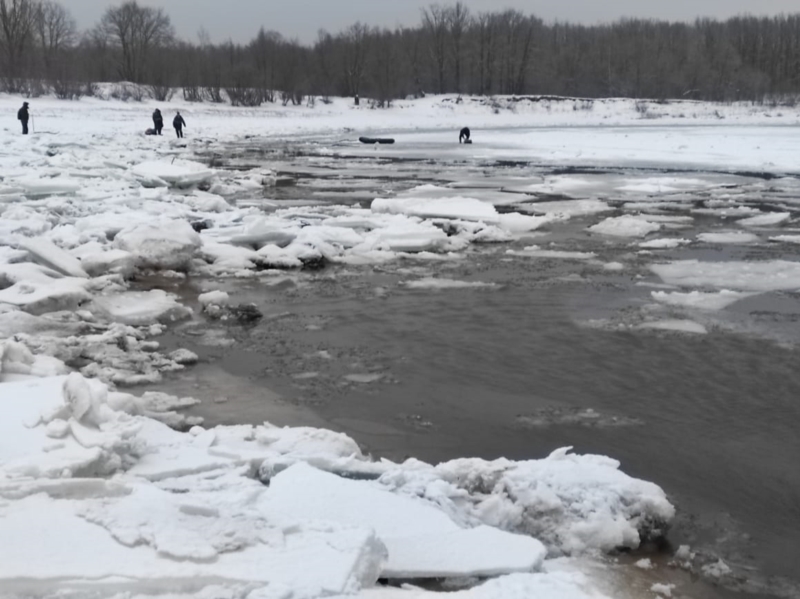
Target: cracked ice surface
<point>93,491</point>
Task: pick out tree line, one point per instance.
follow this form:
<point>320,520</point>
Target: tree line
<point>451,50</point>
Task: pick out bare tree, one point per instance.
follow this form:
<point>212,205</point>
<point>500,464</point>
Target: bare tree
<point>458,19</point>
<point>17,24</point>
<point>55,31</point>
<point>486,25</point>
<point>265,49</point>
<point>354,41</point>
<point>137,31</point>
<point>435,23</point>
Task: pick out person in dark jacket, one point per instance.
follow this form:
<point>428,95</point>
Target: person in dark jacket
<point>463,136</point>
<point>23,117</point>
<point>179,124</point>
<point>158,121</point>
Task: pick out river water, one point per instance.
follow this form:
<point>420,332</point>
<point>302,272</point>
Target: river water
<point>547,356</point>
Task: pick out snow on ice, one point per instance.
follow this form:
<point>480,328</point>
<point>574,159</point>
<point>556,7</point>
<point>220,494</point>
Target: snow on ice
<point>729,237</point>
<point>698,299</point>
<point>93,490</point>
<point>774,275</point>
<point>626,226</point>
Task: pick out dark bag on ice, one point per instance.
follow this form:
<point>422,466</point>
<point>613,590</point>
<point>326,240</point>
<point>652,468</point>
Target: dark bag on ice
<point>150,131</point>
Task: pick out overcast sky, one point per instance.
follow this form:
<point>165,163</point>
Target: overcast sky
<point>241,19</point>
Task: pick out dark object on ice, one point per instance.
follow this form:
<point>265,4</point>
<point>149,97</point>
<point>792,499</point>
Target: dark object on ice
<point>376,140</point>
<point>241,314</point>
<point>463,137</point>
<point>317,263</point>
<point>179,124</point>
<point>245,313</point>
<point>158,121</point>
<point>23,116</point>
<point>200,225</point>
<point>150,131</point>
<point>358,100</point>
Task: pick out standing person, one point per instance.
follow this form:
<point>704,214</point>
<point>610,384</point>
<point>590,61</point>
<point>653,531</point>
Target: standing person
<point>179,124</point>
<point>158,121</point>
<point>23,117</point>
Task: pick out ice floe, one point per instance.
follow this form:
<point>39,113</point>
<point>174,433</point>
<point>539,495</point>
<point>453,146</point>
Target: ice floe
<point>768,219</point>
<point>626,226</point>
<point>773,275</point>
<point>679,326</point>
<point>698,299</point>
<point>729,237</point>
<point>166,245</point>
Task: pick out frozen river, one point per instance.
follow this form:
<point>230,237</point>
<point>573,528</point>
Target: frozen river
<point>617,277</point>
<point>691,383</point>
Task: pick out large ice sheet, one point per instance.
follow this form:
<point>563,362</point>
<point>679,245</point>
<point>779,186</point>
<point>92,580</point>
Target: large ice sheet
<point>41,297</point>
<point>454,207</point>
<point>625,226</point>
<point>138,308</point>
<point>177,173</point>
<point>767,219</point>
<point>422,541</point>
<point>729,237</point>
<point>698,299</point>
<point>182,511</point>
<point>165,244</point>
<point>773,275</point>
<point>48,254</point>
<point>568,208</point>
<point>57,541</point>
<point>546,585</point>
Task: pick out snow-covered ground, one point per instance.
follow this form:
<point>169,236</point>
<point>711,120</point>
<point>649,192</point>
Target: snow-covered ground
<point>99,494</point>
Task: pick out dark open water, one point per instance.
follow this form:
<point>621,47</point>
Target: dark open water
<point>524,368</point>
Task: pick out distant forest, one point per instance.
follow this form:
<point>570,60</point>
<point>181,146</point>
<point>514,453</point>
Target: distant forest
<point>451,50</point>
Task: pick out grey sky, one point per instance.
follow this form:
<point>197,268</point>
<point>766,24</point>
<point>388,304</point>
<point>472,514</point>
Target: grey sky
<point>241,19</point>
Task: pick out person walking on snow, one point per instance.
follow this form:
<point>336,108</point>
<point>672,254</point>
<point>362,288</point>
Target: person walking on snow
<point>179,124</point>
<point>23,117</point>
<point>158,121</point>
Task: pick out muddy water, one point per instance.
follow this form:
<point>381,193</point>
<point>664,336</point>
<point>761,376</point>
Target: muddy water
<point>514,371</point>
<point>549,357</point>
